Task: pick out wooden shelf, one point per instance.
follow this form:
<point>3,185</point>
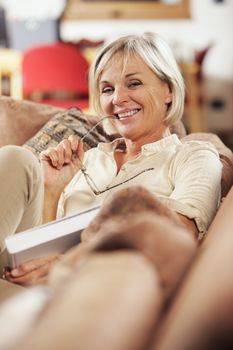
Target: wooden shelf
<point>94,9</point>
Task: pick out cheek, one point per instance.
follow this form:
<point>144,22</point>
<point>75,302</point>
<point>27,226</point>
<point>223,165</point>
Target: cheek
<point>155,105</point>
<point>104,103</point>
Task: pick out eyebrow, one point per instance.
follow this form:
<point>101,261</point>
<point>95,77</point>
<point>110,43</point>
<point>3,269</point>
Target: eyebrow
<point>130,74</point>
<point>126,76</point>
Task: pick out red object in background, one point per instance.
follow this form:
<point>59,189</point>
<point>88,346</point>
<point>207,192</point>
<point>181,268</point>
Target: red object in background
<point>56,74</point>
<point>199,58</point>
<point>81,103</point>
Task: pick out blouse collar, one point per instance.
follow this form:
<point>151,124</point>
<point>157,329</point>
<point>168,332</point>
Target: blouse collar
<point>154,147</point>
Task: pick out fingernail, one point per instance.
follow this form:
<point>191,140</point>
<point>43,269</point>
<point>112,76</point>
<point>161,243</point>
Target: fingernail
<point>15,273</point>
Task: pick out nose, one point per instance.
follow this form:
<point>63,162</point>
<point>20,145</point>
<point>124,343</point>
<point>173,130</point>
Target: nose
<point>120,96</point>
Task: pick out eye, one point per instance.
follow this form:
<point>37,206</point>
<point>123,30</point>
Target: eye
<point>134,83</point>
<point>107,90</point>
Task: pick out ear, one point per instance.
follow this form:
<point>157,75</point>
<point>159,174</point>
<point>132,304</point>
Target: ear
<point>167,94</point>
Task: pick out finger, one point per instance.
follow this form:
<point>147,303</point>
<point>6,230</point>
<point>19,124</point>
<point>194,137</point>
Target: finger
<point>67,147</point>
<point>50,155</point>
<point>80,151</point>
<point>60,156</point>
<point>32,277</point>
<point>74,141</point>
<point>77,149</point>
<point>32,265</point>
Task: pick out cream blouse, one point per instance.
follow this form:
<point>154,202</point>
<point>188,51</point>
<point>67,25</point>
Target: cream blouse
<point>184,176</point>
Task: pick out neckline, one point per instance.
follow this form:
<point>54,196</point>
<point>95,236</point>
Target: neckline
<point>119,144</point>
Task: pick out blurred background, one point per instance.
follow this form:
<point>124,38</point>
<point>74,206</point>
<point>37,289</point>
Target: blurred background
<point>199,32</point>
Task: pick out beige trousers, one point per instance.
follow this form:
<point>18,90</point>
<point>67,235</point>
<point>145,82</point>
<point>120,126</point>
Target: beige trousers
<point>21,193</point>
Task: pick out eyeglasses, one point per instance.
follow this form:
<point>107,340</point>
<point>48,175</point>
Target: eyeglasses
<point>89,179</point>
<point>94,187</point>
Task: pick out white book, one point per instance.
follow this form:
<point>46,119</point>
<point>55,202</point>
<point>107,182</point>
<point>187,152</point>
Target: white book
<point>54,237</point>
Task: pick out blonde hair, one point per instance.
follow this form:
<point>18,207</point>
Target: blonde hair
<point>156,53</point>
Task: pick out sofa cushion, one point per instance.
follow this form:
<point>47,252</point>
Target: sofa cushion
<point>69,122</point>
<point>226,157</point>
<point>20,120</point>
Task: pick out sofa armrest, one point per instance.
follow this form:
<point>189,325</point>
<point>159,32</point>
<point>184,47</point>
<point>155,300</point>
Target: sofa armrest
<point>20,120</point>
<point>201,315</point>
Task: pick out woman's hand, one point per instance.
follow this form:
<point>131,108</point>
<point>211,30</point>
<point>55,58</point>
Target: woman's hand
<point>61,163</point>
<point>31,272</point>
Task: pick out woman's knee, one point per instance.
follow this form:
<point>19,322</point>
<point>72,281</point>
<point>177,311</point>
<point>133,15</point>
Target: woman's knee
<point>16,153</point>
<point>17,159</point>
<point>21,192</point>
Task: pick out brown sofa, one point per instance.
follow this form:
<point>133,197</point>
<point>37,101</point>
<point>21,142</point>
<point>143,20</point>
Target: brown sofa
<point>199,315</point>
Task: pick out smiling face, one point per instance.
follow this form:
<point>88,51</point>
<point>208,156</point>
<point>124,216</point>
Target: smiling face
<point>132,92</point>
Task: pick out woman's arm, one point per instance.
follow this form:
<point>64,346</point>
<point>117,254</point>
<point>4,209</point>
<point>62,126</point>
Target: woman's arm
<point>196,174</point>
<point>59,165</point>
<point>189,224</point>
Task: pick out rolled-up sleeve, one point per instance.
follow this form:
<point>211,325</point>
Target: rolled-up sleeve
<point>196,175</point>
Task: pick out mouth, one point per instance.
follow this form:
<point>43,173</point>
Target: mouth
<point>128,114</point>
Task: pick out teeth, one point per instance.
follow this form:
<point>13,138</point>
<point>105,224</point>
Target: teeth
<point>127,114</point>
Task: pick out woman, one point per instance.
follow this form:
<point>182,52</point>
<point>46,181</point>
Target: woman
<point>136,84</point>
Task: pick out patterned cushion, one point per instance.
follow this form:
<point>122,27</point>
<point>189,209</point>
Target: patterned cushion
<point>70,122</point>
